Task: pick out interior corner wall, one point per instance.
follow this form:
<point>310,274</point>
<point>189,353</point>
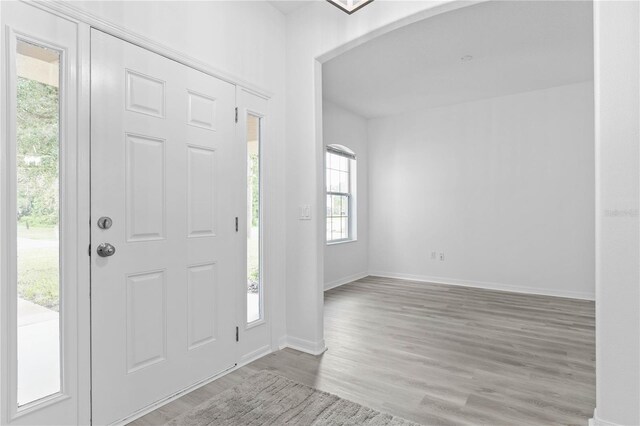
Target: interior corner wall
<point>245,40</point>
<point>348,261</point>
<point>617,82</point>
<point>504,187</point>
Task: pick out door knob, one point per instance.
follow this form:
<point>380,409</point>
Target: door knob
<point>106,250</point>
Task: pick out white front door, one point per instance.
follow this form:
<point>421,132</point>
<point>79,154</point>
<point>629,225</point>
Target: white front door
<point>166,171</point>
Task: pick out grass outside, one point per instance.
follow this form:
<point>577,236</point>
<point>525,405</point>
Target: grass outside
<point>253,256</point>
<point>38,269</point>
<point>42,232</point>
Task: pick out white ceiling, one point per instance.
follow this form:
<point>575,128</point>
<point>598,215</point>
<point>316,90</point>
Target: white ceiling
<point>288,6</point>
<point>517,46</point>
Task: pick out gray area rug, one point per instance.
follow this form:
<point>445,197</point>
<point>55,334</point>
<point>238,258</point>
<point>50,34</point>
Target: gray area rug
<point>268,399</point>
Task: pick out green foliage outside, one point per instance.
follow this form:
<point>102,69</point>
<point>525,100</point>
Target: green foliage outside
<point>38,269</point>
<point>37,177</point>
<point>255,189</point>
<point>253,267</point>
<point>37,153</point>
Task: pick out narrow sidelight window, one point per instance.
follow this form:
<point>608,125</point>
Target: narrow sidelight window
<point>254,236</point>
<point>340,181</point>
<point>38,221</point>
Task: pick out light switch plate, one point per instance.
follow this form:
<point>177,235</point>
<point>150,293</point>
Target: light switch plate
<point>305,212</point>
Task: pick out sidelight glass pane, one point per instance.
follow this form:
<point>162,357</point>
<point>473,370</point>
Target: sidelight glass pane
<point>38,220</point>
<point>254,267</point>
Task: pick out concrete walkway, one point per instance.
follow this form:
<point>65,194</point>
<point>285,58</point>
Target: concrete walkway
<point>38,352</point>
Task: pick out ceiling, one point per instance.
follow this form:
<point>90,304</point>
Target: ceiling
<point>288,6</point>
<point>516,46</point>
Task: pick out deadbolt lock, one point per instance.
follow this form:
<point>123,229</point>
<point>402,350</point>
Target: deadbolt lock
<point>105,222</point>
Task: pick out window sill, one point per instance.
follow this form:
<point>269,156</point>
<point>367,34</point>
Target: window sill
<point>335,243</point>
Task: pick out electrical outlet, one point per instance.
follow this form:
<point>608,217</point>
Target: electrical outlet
<point>442,256</point>
<point>433,255</point>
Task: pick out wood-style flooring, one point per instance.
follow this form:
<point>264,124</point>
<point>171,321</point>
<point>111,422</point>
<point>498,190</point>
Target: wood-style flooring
<point>439,354</point>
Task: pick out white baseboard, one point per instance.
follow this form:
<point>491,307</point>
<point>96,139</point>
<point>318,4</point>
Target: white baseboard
<point>252,356</point>
<point>486,285</point>
<point>302,345</point>
<point>595,421</point>
<point>345,280</point>
<point>282,342</point>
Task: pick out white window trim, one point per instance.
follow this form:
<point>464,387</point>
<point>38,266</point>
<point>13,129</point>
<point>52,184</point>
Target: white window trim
<point>351,194</point>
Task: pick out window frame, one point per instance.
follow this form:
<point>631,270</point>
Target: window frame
<point>261,129</point>
<point>344,152</point>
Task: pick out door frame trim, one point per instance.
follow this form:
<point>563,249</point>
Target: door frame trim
<point>84,232</point>
<point>66,208</point>
<point>256,338</point>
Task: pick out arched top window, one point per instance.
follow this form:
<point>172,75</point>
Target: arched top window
<point>341,150</point>
<point>340,164</point>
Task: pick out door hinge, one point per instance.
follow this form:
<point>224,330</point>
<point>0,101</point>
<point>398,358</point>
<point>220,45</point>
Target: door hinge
<point>237,334</point>
<point>89,250</point>
<point>236,114</point>
<point>236,223</point>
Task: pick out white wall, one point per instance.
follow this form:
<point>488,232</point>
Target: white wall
<point>617,78</point>
<point>243,38</point>
<point>247,41</point>
<point>504,187</point>
<point>316,31</point>
<point>348,261</point>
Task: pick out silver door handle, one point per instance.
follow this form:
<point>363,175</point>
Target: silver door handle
<point>106,250</point>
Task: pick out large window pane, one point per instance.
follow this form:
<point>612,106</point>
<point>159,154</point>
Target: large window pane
<point>38,215</point>
<point>344,163</point>
<point>254,269</point>
<point>334,185</point>
<point>337,217</point>
<point>339,205</point>
<point>339,193</point>
<point>343,182</point>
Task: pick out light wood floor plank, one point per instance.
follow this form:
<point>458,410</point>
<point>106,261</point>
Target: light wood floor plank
<point>439,354</point>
